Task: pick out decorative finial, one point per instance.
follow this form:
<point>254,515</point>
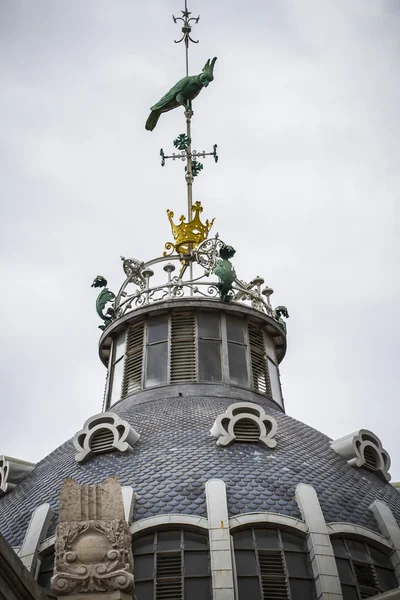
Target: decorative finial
<point>187,235</point>
<point>187,27</point>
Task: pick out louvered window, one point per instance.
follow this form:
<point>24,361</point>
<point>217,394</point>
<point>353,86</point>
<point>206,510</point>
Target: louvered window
<point>371,458</point>
<point>102,441</point>
<point>272,565</point>
<point>258,359</point>
<point>364,570</point>
<point>134,359</point>
<point>172,565</point>
<point>183,346</point>
<point>183,349</point>
<point>246,430</point>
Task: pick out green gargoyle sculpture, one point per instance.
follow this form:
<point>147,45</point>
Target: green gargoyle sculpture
<point>279,312</point>
<point>103,298</point>
<point>183,92</point>
<point>226,273</point>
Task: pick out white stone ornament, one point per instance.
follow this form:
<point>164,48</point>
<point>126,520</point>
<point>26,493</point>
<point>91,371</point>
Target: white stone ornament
<point>102,433</point>
<point>224,425</point>
<point>12,472</point>
<point>364,449</point>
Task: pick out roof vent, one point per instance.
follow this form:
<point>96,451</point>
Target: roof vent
<point>245,422</point>
<point>12,472</point>
<point>103,433</point>
<point>364,449</point>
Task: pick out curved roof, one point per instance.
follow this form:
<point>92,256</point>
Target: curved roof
<point>176,455</point>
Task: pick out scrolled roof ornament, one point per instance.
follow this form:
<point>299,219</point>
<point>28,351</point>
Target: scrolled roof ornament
<point>224,425</point>
<point>364,449</point>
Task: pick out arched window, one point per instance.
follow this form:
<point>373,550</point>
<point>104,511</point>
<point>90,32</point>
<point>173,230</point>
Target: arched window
<point>171,564</point>
<point>364,571</point>
<point>272,564</point>
<point>46,573</point>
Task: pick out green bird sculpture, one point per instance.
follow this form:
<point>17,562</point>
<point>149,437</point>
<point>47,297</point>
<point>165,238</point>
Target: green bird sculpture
<point>182,93</point>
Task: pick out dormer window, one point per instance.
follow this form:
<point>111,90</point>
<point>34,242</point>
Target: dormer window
<point>185,346</point>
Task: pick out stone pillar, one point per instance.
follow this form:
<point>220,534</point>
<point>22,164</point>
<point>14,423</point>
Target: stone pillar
<point>93,553</point>
<point>36,532</point>
<point>319,545</point>
<point>389,528</point>
<point>220,541</point>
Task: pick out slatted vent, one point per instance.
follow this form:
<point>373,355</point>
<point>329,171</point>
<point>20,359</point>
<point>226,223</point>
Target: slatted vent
<point>134,359</point>
<point>246,430</point>
<point>370,458</point>
<point>273,575</point>
<point>169,576</point>
<point>367,583</point>
<point>102,441</point>
<point>258,360</point>
<point>183,350</point>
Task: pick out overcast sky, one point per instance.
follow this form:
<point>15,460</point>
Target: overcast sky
<point>305,110</point>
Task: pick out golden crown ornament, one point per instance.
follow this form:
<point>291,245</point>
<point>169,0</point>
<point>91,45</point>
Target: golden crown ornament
<point>187,235</point>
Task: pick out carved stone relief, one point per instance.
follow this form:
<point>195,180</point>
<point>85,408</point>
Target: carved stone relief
<point>93,543</point>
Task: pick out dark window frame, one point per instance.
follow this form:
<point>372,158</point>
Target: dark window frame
<point>284,551</point>
<point>354,562</point>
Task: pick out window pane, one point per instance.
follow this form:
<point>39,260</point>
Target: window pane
<point>235,329</point>
<point>349,593</point>
<point>143,545</point>
<point>297,564</point>
<point>249,588</point>
<point>208,324</point>
<point>169,540</point>
<point>339,549</point>
<point>157,329</point>
<point>275,385</point>
<point>243,539</point>
<point>345,572</point>
<point>246,562</point>
<point>301,589</point>
<point>118,373</point>
<point>119,346</point>
<point>237,364</point>
<point>144,591</point>
<point>144,566</point>
<point>197,589</point>
<point>386,578</point>
<point>292,542</point>
<point>380,558</point>
<point>156,368</point>
<point>210,361</point>
<point>358,550</point>
<point>195,541</point>
<point>267,539</point>
<point>196,563</point>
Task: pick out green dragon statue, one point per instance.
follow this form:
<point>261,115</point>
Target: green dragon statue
<point>226,273</point>
<point>183,92</point>
<point>279,312</point>
<point>103,298</point>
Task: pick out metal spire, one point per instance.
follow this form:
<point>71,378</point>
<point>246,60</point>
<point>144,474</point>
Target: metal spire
<point>184,141</point>
<point>186,31</point>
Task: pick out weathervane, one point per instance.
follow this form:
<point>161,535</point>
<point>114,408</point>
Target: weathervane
<point>182,94</point>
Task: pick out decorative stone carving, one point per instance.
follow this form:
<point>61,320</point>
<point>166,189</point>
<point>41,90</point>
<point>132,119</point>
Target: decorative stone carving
<point>364,449</point>
<point>93,543</point>
<point>225,425</point>
<point>12,472</point>
<point>102,433</point>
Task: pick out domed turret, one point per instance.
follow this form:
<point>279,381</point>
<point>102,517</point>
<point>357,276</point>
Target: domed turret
<point>193,483</point>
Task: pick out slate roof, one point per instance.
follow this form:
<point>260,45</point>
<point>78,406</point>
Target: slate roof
<point>176,455</point>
